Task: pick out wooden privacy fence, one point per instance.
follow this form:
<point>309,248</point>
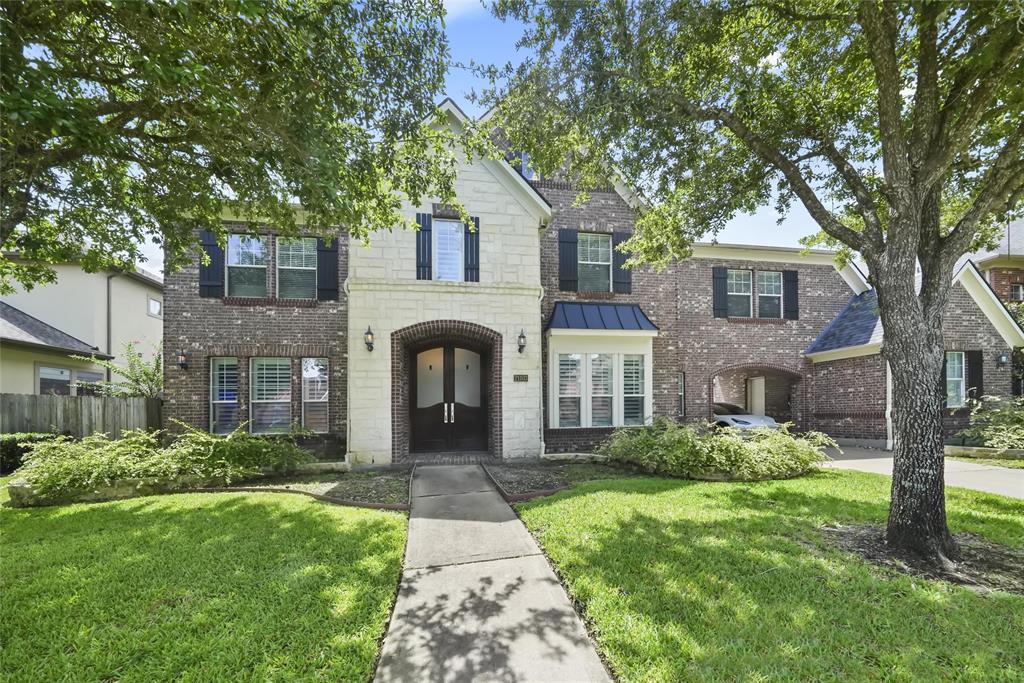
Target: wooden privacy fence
<point>77,415</point>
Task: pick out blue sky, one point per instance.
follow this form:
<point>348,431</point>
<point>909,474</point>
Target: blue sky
<point>475,35</point>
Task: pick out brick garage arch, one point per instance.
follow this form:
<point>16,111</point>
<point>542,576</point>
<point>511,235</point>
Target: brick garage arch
<point>799,383</point>
<point>435,333</point>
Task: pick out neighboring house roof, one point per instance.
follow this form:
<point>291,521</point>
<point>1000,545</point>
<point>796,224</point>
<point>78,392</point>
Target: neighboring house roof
<point>857,330</point>
<point>1010,247</point>
<point>18,327</point>
<point>599,316</point>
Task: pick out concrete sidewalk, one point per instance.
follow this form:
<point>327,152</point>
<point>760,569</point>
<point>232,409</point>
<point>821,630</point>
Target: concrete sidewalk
<point>478,601</point>
<point>1005,481</point>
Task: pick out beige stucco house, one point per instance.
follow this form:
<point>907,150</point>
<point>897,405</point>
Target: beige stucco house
<point>79,314</point>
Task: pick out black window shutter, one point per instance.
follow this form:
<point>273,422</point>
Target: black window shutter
<point>975,373</point>
<point>568,266</point>
<point>720,303</point>
<point>326,270</point>
<point>211,277</point>
<point>790,295</point>
<point>942,380</point>
<point>423,245</point>
<point>471,252</point>
<point>622,277</point>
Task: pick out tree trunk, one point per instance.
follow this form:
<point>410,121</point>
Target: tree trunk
<point>914,348</point>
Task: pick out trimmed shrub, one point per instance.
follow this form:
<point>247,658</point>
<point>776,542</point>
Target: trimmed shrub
<point>62,465</point>
<point>13,447</point>
<point>995,423</point>
<point>683,451</point>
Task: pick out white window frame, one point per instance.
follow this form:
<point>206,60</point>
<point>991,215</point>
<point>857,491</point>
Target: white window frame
<point>327,392</point>
<point>749,293</point>
<point>149,307</point>
<point>228,265</point>
<point>210,387</point>
<point>646,384</point>
<point>962,393</point>
<point>779,296</point>
<point>589,388</point>
<point>581,396</point>
<point>252,392</point>
<point>586,346</point>
<point>611,258</point>
<point>434,234</point>
<point>278,267</point>
<point>73,375</point>
<point>1016,291</point>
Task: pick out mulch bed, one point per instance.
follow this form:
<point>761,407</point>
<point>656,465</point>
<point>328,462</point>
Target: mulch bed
<point>983,565</point>
<point>530,478</point>
<point>377,487</point>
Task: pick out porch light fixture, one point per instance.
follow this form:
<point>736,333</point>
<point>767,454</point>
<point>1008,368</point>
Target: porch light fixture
<point>521,340</point>
<point>183,360</point>
<point>368,338</point>
<point>1003,360</point>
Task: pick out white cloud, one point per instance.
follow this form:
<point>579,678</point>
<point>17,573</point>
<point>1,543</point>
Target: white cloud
<point>461,8</point>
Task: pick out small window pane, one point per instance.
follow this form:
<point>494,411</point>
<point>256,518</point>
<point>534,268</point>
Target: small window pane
<point>448,259</point>
<point>246,251</point>
<point>1017,292</point>
<point>296,284</point>
<point>569,374</point>
<point>272,379</point>
<point>314,394</point>
<point>569,411</point>
<point>769,283</point>
<point>738,305</point>
<point>633,389</point>
<point>601,389</point>
<point>594,278</point>
<point>633,410</point>
<point>55,381</point>
<point>250,282</point>
<point>297,253</point>
<point>85,381</point>
<point>156,308</point>
<point>314,417</point>
<point>769,306</point>
<point>271,418</point>
<point>224,409</point>
<point>223,418</point>
<point>594,254</point>
<point>738,282</point>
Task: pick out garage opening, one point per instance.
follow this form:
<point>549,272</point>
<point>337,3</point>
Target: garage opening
<point>757,390</point>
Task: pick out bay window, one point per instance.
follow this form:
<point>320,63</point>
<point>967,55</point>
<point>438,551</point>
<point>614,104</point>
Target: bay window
<point>223,395</point>
<point>599,389</point>
<point>739,293</point>
<point>594,262</point>
<point>769,294</point>
<point>296,268</point>
<point>956,384</point>
<point>246,270</point>
<point>270,395</point>
<point>314,394</point>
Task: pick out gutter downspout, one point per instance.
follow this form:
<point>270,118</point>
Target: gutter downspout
<point>109,333</point>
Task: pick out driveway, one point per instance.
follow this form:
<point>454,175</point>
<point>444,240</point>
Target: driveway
<point>1002,480</point>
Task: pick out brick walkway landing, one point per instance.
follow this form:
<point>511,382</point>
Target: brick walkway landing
<point>478,601</point>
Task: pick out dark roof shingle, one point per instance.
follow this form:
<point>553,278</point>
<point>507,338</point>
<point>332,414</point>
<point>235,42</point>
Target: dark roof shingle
<point>857,324</point>
<point>21,328</point>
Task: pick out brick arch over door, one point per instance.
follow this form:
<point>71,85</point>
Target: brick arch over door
<point>437,332</point>
<point>798,381</point>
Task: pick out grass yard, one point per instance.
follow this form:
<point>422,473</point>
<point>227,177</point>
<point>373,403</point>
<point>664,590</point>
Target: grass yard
<point>197,587</point>
<point>690,581</point>
<point>1014,463</point>
<point>526,478</point>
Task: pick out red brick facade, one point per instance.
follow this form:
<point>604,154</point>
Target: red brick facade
<point>1003,279</point>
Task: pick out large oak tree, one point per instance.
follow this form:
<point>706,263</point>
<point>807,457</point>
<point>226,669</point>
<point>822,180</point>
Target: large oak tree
<point>125,120</point>
<point>898,125</point>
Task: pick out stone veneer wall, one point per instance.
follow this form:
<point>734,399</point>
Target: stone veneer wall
<point>243,328</point>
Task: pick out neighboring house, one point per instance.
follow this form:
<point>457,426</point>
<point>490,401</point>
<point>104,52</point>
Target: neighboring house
<point>522,334</point>
<point>1003,267</point>
<point>79,314</point>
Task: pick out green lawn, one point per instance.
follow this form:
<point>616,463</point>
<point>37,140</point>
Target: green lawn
<point>713,581</point>
<point>197,587</point>
<point>1013,463</point>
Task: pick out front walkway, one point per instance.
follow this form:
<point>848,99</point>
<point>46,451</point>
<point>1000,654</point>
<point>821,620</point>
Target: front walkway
<point>1005,481</point>
<point>478,601</point>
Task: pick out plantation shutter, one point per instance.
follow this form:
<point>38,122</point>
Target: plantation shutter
<point>423,247</point>
<point>211,277</point>
<point>326,270</point>
<point>622,277</point>
<point>975,373</point>
<point>719,303</point>
<point>568,266</point>
<point>790,295</point>
<point>471,252</point>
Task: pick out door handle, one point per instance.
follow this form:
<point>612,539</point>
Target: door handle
<point>445,408</point>
<point>453,412</point>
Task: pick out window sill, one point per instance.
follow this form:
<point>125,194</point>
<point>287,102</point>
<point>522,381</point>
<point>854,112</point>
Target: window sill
<point>758,321</point>
<point>268,301</point>
<point>583,294</point>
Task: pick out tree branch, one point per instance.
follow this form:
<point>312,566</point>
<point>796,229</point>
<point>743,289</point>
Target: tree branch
<point>867,207</point>
<point>926,97</point>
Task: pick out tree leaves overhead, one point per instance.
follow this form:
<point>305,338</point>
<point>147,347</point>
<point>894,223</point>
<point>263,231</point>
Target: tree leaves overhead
<point>126,120</point>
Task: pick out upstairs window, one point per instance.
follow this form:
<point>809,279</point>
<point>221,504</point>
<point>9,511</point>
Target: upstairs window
<point>223,395</point>
<point>594,262</point>
<point>271,396</point>
<point>739,293</point>
<point>449,262</point>
<point>246,266</point>
<point>155,307</point>
<point>769,294</point>
<point>1017,292</point>
<point>956,385</point>
<point>296,268</point>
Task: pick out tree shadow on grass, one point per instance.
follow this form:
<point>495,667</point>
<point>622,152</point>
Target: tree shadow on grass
<point>221,586</point>
<point>689,581</point>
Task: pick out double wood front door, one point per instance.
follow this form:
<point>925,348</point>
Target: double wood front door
<point>447,399</point>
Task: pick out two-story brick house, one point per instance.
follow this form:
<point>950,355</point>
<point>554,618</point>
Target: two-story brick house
<point>524,333</point>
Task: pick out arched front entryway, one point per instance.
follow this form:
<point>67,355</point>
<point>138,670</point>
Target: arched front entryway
<point>445,389</point>
<point>770,390</point>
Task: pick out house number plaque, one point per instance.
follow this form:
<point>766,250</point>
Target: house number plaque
<point>520,378</point>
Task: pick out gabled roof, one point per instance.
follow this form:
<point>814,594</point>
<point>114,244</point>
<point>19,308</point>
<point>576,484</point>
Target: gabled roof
<point>599,317</point>
<point>1009,248</point>
<point>857,330</point>
<point>18,327</point>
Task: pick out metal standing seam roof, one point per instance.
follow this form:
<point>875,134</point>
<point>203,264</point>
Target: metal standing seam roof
<point>19,327</point>
<point>599,316</point>
<point>857,324</point>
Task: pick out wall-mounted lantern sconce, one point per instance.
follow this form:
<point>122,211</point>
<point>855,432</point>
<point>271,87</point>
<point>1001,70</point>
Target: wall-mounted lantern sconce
<point>183,360</point>
<point>368,338</point>
<point>521,340</point>
<point>1003,360</point>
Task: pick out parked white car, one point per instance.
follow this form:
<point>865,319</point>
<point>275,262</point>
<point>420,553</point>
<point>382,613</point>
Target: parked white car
<point>729,415</point>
